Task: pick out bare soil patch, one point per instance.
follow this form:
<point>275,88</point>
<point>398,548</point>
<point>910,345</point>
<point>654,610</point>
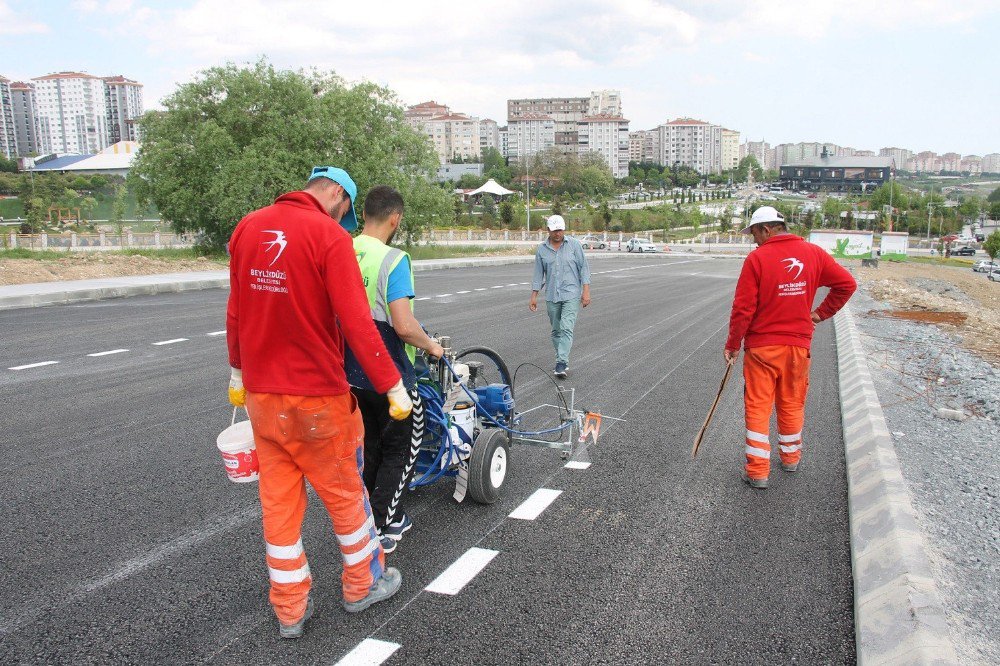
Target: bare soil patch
<point>93,265</point>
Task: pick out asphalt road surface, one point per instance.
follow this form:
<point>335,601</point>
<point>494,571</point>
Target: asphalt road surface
<point>123,542</point>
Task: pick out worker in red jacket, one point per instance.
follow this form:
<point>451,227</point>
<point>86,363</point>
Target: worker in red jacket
<point>773,319</point>
<point>296,294</point>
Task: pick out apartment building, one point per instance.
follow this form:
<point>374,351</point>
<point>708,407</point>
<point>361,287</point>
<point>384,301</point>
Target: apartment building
<point>991,163</point>
<point>531,133</point>
<point>489,135</point>
<point>606,135</point>
<point>644,146</point>
<point>951,162</point>
<point>730,149</point>
<point>691,143</point>
<point>72,112</point>
<point>761,151</point>
<point>123,98</point>
<point>901,156</point>
<point>26,120</point>
<point>926,161</point>
<point>605,103</point>
<point>454,136</point>
<point>564,112</point>
<point>8,134</point>
<point>502,132</point>
<point>971,164</point>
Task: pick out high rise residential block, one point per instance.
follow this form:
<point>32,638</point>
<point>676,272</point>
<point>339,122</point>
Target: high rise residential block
<point>644,146</point>
<point>761,151</point>
<point>455,136</point>
<point>991,163</point>
<point>502,132</point>
<point>123,98</point>
<point>605,103</point>
<point>530,134</point>
<point>608,137</point>
<point>489,135</point>
<point>564,112</point>
<point>72,112</point>
<point>926,161</point>
<point>971,164</point>
<point>730,149</point>
<point>951,162</point>
<point>26,120</point>
<point>900,155</point>
<point>8,135</point>
<point>691,143</point>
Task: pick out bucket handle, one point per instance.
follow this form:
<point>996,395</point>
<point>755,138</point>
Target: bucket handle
<point>235,409</point>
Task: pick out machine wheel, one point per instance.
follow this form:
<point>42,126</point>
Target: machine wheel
<point>488,466</point>
<point>494,369</point>
<point>640,250</point>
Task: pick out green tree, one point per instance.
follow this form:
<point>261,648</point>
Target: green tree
<point>992,245</point>
<point>458,211</point>
<point>969,207</point>
<point>507,214</point>
<point>88,206</point>
<point>604,212</point>
<point>557,208</point>
<point>235,138</point>
<point>489,205</point>
<point>8,165</point>
<point>994,210</point>
<point>746,166</point>
<point>495,166</point>
<point>994,195</point>
<point>118,207</point>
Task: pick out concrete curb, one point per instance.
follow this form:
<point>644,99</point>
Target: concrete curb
<point>898,615</point>
<point>61,293</point>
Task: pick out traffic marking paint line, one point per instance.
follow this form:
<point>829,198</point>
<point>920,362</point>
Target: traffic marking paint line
<point>214,333</point>
<point>423,298</point>
<point>464,569</point>
<point>33,365</point>
<point>109,352</point>
<point>170,342</point>
<point>462,292</point>
<point>532,507</point>
<point>499,286</point>
<point>443,295</point>
<point>576,464</point>
<point>481,289</point>
<point>369,652</point>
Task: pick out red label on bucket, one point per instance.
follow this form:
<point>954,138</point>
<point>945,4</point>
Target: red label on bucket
<point>241,466</point>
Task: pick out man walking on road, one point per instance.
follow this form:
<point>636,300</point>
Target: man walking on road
<point>293,279</point>
<point>561,267</point>
<point>773,319</point>
<point>391,447</point>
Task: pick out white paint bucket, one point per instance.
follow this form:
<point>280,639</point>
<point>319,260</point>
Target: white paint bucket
<point>239,454</point>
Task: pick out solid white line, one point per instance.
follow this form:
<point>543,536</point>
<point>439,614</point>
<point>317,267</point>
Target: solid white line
<point>462,292</point>
<point>461,571</point>
<point>369,652</point>
<point>532,507</point>
<point>33,365</point>
<point>170,342</point>
<point>423,298</point>
<point>576,464</point>
<point>217,333</point>
<point>109,353</point>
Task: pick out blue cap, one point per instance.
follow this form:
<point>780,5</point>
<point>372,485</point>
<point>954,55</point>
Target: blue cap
<point>342,178</point>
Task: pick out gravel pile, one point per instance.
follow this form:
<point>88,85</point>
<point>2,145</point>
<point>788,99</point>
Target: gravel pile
<point>942,405</point>
<point>941,288</point>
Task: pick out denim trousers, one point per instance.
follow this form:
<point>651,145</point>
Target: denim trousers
<point>562,315</point>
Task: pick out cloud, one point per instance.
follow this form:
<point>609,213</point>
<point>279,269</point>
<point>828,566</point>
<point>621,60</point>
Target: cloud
<point>12,23</point>
<point>750,56</point>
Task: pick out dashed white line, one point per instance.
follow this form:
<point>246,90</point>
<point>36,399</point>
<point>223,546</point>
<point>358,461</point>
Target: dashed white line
<point>214,333</point>
<point>170,342</point>
<point>499,286</point>
<point>369,652</point>
<point>423,298</point>
<point>109,352</point>
<point>443,295</point>
<point>462,292</point>
<point>514,284</point>
<point>33,365</point>
<point>532,507</point>
<point>480,289</point>
<point>464,569</point>
<point>576,464</point>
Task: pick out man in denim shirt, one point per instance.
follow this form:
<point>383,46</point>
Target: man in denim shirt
<point>562,268</point>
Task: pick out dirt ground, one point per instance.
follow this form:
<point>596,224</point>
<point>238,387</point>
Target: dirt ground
<point>924,288</point>
<point>92,265</point>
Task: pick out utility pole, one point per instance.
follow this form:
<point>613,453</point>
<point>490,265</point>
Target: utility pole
<point>527,198</point>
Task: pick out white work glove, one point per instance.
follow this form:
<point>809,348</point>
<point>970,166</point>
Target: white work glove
<point>400,404</point>
<point>237,394</point>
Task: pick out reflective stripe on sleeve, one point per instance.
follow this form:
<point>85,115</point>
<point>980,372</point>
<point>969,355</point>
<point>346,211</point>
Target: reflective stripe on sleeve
<point>790,449</point>
<point>790,438</point>
<point>358,534</point>
<point>293,576</point>
<point>285,552</point>
<point>758,453</point>
<point>354,558</point>
<point>757,437</point>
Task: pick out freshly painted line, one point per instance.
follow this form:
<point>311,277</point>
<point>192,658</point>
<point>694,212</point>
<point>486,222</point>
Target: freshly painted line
<point>481,289</point>
<point>170,342</point>
<point>462,292</point>
<point>442,295</point>
<point>514,284</point>
<point>109,353</point>
<point>499,286</point>
<point>576,464</point>
<point>217,333</point>
<point>461,571</point>
<point>424,298</point>
<point>532,507</point>
<point>522,283</point>
<point>369,652</point>
<point>33,365</point>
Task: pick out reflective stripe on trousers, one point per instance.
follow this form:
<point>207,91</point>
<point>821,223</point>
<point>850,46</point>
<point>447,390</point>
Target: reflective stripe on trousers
<point>775,376</point>
<point>319,439</point>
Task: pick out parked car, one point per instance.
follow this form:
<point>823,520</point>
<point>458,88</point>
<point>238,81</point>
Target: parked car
<point>592,243</point>
<point>984,266</point>
<point>994,274</point>
<point>964,252</point>
<point>640,245</point>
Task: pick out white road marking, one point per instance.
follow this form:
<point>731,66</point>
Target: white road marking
<point>481,289</point>
<point>576,464</point>
<point>499,286</point>
<point>464,569</point>
<point>170,342</point>
<point>442,296</point>
<point>423,298</point>
<point>369,652</point>
<point>532,507</point>
<point>514,284</point>
<point>33,365</point>
<point>462,292</point>
<point>213,333</point>
<point>109,353</point>
<point>522,283</point>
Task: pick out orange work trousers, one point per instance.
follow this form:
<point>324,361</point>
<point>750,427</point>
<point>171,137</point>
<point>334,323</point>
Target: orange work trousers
<point>319,439</point>
<point>774,376</point>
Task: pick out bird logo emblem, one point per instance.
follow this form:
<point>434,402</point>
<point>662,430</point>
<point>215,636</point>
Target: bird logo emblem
<point>279,241</point>
<point>793,263</point>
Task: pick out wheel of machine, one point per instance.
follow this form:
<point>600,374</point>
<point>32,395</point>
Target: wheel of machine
<point>494,369</point>
<point>640,249</point>
<point>489,466</point>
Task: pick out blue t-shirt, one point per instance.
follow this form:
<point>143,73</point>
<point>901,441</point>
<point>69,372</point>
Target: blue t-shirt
<point>400,284</point>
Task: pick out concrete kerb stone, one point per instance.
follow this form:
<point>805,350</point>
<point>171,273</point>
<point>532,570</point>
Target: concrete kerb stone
<point>898,615</point>
<point>57,293</point>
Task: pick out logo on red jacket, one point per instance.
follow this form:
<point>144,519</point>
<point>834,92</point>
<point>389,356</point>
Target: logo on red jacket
<point>279,241</point>
<point>793,264</point>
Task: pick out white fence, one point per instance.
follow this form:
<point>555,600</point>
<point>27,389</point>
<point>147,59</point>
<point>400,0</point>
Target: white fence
<point>99,241</point>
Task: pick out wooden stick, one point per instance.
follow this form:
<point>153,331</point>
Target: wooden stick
<point>711,411</point>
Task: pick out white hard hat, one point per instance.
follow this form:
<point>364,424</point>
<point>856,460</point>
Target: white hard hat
<point>556,223</point>
<point>761,215</point>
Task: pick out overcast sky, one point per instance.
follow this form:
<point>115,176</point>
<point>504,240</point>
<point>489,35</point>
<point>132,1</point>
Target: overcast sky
<point>919,74</point>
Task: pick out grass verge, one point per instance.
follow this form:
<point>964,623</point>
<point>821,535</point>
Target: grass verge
<point>452,251</point>
<point>166,254</point>
<point>941,261</point>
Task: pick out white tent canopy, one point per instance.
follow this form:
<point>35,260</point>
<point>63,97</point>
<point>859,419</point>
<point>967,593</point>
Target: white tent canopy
<point>491,187</point>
